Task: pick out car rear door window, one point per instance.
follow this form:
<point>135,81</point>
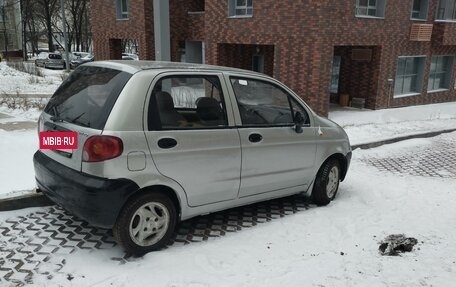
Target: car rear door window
<point>187,102</point>
<point>263,103</point>
<point>87,96</point>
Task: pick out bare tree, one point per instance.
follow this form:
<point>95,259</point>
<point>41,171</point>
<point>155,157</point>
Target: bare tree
<point>3,7</point>
<point>46,11</point>
<point>77,24</point>
<point>78,10</point>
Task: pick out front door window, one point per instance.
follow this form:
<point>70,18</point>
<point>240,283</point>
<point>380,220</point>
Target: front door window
<point>262,103</point>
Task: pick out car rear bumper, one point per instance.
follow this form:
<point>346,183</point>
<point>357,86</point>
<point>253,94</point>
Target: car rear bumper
<point>54,65</point>
<point>94,199</point>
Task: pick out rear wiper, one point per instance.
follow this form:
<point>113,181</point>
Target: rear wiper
<point>79,122</point>
<point>77,118</point>
<point>56,117</point>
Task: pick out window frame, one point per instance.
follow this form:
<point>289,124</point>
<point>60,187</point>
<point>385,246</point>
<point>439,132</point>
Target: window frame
<point>424,4</point>
<point>154,124</point>
<point>419,76</point>
<point>448,73</point>
<point>380,7</point>
<point>444,17</point>
<point>233,7</point>
<point>122,13</point>
<point>291,98</point>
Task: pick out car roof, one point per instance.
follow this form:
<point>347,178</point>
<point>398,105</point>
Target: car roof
<point>132,66</point>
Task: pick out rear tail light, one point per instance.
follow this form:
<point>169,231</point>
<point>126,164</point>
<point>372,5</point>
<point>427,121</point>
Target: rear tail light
<point>100,148</point>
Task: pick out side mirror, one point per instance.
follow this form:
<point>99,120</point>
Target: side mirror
<point>299,122</point>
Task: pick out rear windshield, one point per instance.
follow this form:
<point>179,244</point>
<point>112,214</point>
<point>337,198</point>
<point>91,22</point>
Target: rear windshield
<point>55,56</point>
<point>87,96</point>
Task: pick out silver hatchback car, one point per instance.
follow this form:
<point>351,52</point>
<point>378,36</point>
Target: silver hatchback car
<point>163,142</point>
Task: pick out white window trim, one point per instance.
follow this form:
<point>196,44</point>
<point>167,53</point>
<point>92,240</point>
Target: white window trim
<point>406,95</point>
<point>437,91</point>
<point>369,17</point>
<point>445,21</point>
<point>241,16</point>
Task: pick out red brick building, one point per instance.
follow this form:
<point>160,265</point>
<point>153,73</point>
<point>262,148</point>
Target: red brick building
<point>388,53</point>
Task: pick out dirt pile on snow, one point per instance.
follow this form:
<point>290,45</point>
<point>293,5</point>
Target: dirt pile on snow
<point>394,244</point>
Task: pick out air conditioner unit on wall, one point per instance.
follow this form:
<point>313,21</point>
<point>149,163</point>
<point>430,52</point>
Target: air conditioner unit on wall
<point>421,32</point>
<point>361,55</point>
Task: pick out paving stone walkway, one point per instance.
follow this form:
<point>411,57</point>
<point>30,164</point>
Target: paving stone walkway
<point>435,160</point>
<point>38,243</point>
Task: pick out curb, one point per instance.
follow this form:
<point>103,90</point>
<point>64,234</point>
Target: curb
<point>403,138</point>
<point>37,199</point>
<point>34,199</point>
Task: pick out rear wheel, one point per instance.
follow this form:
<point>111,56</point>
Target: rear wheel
<point>326,183</point>
<point>146,223</point>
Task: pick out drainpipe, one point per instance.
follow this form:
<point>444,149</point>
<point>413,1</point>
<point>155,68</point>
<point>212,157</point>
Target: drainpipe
<point>161,30</point>
<point>390,89</point>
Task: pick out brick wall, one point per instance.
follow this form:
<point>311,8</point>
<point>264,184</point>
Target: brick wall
<point>240,56</point>
<point>105,26</point>
<point>303,36</point>
<point>305,33</point>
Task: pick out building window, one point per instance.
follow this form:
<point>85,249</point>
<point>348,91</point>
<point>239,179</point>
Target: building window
<point>240,8</point>
<point>335,74</point>
<point>446,10</point>
<point>409,75</point>
<point>370,8</point>
<point>122,9</point>
<point>419,9</point>
<point>440,72</point>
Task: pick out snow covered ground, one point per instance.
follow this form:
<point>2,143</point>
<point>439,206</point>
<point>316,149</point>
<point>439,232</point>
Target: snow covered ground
<point>336,245</point>
<point>16,166</point>
<point>365,126</point>
<point>14,81</point>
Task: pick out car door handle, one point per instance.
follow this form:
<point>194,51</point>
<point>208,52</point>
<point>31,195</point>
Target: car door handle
<point>167,143</point>
<point>255,138</point>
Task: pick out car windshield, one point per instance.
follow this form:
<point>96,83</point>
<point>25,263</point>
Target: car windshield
<point>55,56</point>
<point>87,96</point>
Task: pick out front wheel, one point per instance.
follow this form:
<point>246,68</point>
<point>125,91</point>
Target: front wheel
<point>145,224</point>
<point>326,183</point>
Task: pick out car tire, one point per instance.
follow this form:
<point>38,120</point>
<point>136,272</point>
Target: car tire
<point>326,183</point>
<point>145,224</point>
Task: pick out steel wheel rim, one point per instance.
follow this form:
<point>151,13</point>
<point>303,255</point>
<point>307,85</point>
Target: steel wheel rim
<point>149,224</point>
<point>333,182</point>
